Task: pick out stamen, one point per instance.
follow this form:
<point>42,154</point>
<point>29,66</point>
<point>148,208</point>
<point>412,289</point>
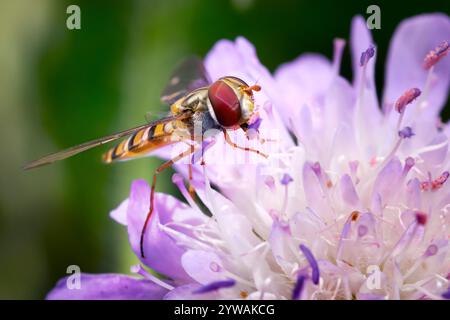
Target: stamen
<point>421,218</point>
<point>367,55</point>
<point>354,216</point>
<point>298,288</point>
<point>312,262</point>
<point>286,179</point>
<point>440,181</point>
<point>406,133</point>
<point>214,286</point>
<point>360,119</point>
<point>137,269</point>
<point>406,98</point>
<point>436,183</point>
<point>435,55</point>
<point>409,163</point>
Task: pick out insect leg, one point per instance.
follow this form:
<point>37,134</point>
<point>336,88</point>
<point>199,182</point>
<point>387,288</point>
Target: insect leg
<point>164,166</point>
<point>191,187</point>
<point>234,145</point>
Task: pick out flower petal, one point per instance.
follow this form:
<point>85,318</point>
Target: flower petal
<point>303,81</point>
<point>386,183</point>
<point>368,114</point>
<point>348,191</point>
<point>120,213</point>
<point>162,253</point>
<point>412,40</point>
<point>281,245</point>
<point>203,266</point>
<point>107,287</point>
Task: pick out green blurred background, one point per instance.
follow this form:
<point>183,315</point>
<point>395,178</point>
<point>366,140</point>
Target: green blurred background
<point>60,87</point>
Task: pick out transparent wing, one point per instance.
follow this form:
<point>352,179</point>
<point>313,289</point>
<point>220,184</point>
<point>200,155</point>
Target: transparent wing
<point>189,75</point>
<point>98,142</point>
<point>151,116</point>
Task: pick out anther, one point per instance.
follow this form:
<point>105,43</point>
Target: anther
<point>406,98</point>
<point>354,216</point>
<point>409,163</point>
<point>435,55</point>
<point>436,183</point>
<point>367,55</point>
<point>286,179</point>
<point>421,218</point>
<point>406,133</point>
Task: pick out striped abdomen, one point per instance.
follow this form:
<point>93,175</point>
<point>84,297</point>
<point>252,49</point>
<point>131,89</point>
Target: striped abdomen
<point>141,142</point>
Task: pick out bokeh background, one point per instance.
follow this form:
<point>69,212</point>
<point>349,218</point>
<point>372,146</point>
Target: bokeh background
<point>60,87</point>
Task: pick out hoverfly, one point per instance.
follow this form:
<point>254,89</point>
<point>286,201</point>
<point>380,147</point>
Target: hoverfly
<point>226,104</point>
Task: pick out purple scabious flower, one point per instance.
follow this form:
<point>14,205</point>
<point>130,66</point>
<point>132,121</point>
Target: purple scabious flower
<point>362,189</point>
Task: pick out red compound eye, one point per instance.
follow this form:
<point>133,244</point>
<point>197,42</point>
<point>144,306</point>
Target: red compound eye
<point>225,104</point>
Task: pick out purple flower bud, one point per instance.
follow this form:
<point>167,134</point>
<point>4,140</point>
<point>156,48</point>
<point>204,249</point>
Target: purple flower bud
<point>312,263</point>
<point>213,286</point>
<point>406,133</point>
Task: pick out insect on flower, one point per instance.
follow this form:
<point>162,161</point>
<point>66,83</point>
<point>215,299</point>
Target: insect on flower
<point>226,104</point>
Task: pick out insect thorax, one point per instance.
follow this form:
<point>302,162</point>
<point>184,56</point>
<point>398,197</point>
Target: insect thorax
<point>201,120</point>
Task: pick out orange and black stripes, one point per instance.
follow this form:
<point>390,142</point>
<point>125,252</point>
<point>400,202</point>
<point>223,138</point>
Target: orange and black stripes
<point>143,140</point>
